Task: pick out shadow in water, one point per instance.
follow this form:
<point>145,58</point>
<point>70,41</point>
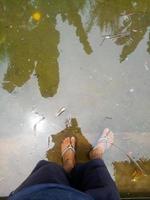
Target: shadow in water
<point>130,180</point>
<point>83,146</point>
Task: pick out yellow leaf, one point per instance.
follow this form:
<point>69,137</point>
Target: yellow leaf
<point>36,16</point>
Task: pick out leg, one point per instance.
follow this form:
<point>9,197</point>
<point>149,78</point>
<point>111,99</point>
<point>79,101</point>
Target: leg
<point>90,175</point>
<point>102,186</point>
<point>40,164</point>
<point>68,153</point>
<point>94,177</point>
<point>49,172</point>
<point>45,172</point>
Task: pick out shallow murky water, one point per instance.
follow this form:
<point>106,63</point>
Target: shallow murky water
<point>88,58</point>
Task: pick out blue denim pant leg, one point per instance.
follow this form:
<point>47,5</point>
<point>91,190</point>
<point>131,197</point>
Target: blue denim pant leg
<point>94,179</point>
<point>45,172</point>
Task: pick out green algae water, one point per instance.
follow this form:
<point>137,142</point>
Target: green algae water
<point>88,58</point>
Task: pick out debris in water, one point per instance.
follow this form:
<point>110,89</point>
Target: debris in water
<point>114,36</point>
<point>60,111</point>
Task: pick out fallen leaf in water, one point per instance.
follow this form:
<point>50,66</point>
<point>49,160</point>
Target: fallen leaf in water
<point>36,16</point>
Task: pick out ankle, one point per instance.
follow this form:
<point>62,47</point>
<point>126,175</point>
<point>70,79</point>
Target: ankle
<point>68,165</point>
<point>94,154</point>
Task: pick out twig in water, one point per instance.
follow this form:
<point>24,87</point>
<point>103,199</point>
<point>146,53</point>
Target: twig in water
<point>118,35</point>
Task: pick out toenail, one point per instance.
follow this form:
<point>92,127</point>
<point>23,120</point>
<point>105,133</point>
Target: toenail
<point>106,129</point>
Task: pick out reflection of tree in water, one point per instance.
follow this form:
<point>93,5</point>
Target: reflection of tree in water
<point>33,46</point>
<point>127,21</point>
<point>130,180</point>
<point>83,146</point>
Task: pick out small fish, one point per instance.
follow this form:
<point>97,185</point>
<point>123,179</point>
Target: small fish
<point>35,125</point>
<point>108,117</point>
<point>60,111</point>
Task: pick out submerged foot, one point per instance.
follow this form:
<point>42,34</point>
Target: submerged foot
<point>104,143</point>
<point>68,153</point>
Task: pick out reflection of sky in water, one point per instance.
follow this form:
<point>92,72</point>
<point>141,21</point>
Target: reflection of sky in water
<point>92,84</point>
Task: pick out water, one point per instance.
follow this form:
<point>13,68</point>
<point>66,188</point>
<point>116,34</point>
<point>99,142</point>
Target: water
<point>89,57</point>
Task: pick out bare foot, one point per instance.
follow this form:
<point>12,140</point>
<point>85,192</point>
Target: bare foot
<point>68,153</point>
<point>104,143</point>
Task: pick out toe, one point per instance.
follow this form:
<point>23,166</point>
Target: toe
<point>106,131</point>
<point>111,137</point>
<point>73,141</point>
<point>65,143</point>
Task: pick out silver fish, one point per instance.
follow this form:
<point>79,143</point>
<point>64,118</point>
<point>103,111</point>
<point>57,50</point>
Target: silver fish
<point>60,111</point>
